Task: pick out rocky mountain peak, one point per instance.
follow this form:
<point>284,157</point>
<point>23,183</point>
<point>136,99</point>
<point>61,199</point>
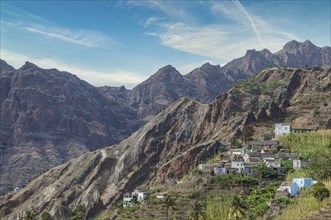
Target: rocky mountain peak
<point>250,52</point>
<point>5,67</point>
<point>28,65</point>
<point>166,72</point>
<point>293,44</point>
<point>208,66</point>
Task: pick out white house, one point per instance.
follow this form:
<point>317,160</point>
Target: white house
<point>237,164</point>
<point>141,195</point>
<point>128,202</point>
<point>298,164</point>
<point>237,151</point>
<point>282,128</point>
<point>298,183</point>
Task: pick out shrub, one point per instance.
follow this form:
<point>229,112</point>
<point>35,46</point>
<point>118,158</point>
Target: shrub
<point>78,213</point>
<point>46,216</point>
<point>195,195</point>
<point>196,172</point>
<point>321,193</point>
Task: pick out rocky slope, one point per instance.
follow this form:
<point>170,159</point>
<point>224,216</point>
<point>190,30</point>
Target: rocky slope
<point>49,117</point>
<point>176,140</point>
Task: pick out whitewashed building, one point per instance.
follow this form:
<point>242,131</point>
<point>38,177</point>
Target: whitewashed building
<point>282,128</point>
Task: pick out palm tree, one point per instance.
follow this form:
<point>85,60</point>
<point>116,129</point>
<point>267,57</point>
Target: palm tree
<point>238,208</point>
<point>197,212</point>
<point>168,204</point>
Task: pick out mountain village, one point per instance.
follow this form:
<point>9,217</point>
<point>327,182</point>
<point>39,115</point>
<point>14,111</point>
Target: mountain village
<point>259,159</point>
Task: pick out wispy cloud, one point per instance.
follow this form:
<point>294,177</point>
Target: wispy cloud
<point>172,9</point>
<point>95,77</point>
<point>223,41</point>
<point>15,18</point>
<point>149,21</point>
<point>87,38</point>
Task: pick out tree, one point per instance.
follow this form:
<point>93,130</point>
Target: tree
<point>320,193</point>
<point>46,216</point>
<point>238,208</point>
<point>169,204</point>
<point>319,165</point>
<point>262,169</point>
<point>30,215</point>
<point>197,212</point>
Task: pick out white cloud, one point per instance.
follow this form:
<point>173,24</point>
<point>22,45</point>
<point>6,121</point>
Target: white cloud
<point>149,21</point>
<point>95,77</point>
<point>82,37</point>
<point>224,41</point>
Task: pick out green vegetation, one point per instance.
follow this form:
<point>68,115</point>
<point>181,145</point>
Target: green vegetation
<point>218,208</point>
<point>256,87</point>
<point>196,172</point>
<point>169,204</point>
<point>257,200</point>
<point>315,147</point>
<point>288,165</point>
<point>320,192</point>
<point>238,208</point>
<point>197,212</point>
<point>264,171</point>
<point>30,215</point>
<point>78,213</point>
<point>304,204</point>
<point>46,216</point>
<point>230,180</point>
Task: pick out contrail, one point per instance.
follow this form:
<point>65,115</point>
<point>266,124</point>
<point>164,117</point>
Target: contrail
<point>243,10</point>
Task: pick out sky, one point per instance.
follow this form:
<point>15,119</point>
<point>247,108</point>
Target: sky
<point>116,43</point>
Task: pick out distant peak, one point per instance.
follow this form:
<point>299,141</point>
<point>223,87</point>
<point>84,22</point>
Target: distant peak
<point>209,66</point>
<point>265,51</point>
<point>166,70</point>
<point>250,53</point>
<point>4,66</point>
<point>308,43</point>
<point>291,45</point>
<point>28,65</point>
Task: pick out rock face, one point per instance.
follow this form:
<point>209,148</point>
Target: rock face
<point>296,54</point>
<point>168,145</point>
<point>49,117</point>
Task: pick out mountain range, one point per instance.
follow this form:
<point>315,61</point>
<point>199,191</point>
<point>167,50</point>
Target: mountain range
<point>49,117</point>
<point>177,139</point>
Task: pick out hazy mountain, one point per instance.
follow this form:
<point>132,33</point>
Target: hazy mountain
<point>176,139</point>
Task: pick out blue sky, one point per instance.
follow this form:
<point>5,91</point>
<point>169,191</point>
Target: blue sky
<point>124,42</point>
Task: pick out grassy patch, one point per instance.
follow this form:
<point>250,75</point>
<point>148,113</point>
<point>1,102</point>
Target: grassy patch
<point>304,205</point>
